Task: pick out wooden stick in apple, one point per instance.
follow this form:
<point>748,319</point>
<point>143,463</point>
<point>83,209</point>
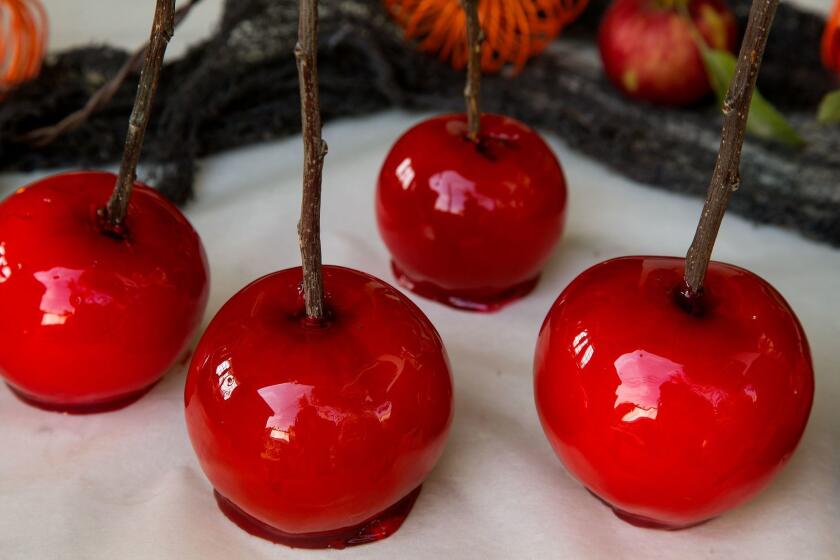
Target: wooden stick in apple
<point>314,150</point>
<point>473,87</point>
<point>686,394</point>
<point>279,351</point>
<point>726,176</point>
<point>128,273</point>
<point>162,30</point>
<point>464,254</point>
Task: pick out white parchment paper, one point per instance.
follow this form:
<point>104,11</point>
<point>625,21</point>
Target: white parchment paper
<point>126,485</point>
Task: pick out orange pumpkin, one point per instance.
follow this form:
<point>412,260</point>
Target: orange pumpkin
<point>23,38</point>
<point>514,30</point>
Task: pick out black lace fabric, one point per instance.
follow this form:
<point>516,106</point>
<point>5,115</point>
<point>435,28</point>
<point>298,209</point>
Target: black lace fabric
<point>240,87</point>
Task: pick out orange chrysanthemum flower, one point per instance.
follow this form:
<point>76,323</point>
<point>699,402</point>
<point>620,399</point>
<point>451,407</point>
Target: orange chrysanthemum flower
<point>514,30</point>
<point>831,40</point>
<point>23,39</point>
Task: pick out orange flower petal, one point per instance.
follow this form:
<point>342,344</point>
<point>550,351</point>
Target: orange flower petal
<point>514,30</point>
<point>23,38</point>
<point>831,40</point>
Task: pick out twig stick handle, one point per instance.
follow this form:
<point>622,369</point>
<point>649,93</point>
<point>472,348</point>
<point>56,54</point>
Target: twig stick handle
<point>314,150</point>
<point>162,30</point>
<point>726,176</point>
<point>473,87</point>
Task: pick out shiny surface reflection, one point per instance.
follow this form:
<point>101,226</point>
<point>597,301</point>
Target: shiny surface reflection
<point>87,319</point>
<point>470,225</point>
<point>641,376</point>
<point>61,293</point>
<point>670,418</point>
<point>325,426</point>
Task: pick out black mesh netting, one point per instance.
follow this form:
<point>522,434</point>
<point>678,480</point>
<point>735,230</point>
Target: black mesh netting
<point>240,86</point>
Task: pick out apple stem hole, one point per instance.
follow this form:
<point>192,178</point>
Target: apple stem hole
<point>689,301</point>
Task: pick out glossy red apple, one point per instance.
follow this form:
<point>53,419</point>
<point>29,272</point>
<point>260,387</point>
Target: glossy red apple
<point>649,50</point>
<point>672,418</point>
<point>90,321</point>
<point>319,435</point>
<point>470,224</point>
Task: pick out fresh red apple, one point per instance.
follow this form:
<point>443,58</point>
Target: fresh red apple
<point>672,417</point>
<point>319,434</point>
<point>92,320</point>
<point>470,224</point>
<point>649,47</point>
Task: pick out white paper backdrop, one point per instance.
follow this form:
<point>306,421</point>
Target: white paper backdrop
<point>126,485</point>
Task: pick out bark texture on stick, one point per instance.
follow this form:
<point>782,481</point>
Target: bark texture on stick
<point>162,30</point>
<point>314,150</point>
<point>473,87</point>
<point>726,177</point>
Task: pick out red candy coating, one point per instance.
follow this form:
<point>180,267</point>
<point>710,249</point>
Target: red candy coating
<point>470,225</point>
<point>91,321</point>
<point>672,418</point>
<point>312,430</point>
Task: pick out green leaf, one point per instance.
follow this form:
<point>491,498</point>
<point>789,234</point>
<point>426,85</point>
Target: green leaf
<point>720,66</point>
<point>764,120</point>
<point>829,111</point>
